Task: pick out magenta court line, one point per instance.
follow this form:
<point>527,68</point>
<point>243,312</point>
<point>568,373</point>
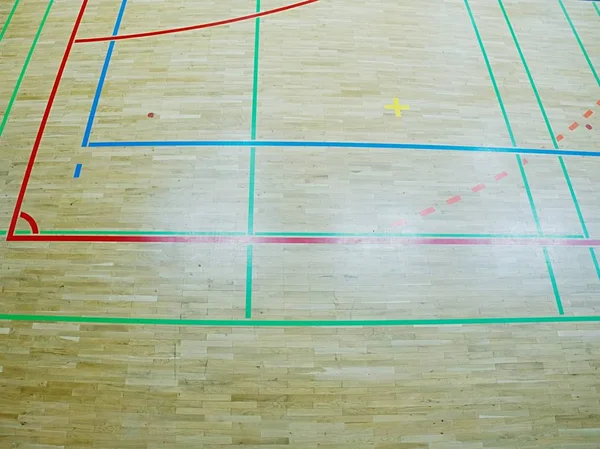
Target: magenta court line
<point>245,240</point>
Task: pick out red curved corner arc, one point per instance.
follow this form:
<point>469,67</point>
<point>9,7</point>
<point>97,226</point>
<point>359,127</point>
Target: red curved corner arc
<point>31,221</point>
<point>195,27</point>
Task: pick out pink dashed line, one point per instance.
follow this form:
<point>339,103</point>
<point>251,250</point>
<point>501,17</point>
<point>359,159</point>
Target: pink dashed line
<point>401,222</point>
<point>478,187</point>
<point>428,211</point>
<point>454,199</point>
<point>500,175</point>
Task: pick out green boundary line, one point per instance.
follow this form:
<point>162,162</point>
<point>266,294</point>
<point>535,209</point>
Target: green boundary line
<point>529,76</point>
<point>597,9</point>
<point>252,168</point>
<point>15,91</point>
<point>292,234</point>
<point>298,323</point>
<point>553,280</point>
<point>8,19</point>
<point>491,73</point>
<point>581,46</point>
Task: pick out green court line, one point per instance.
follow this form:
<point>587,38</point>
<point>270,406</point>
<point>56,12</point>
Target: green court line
<point>299,323</point>
<point>292,234</point>
<point>553,280</point>
<point>578,39</point>
<point>536,218</point>
<point>595,261</point>
<point>597,9</point>
<point>249,281</point>
<point>15,91</point>
<point>8,19</point>
<point>491,73</point>
<point>529,76</point>
<point>252,168</point>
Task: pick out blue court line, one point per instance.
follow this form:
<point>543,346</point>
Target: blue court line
<point>109,52</point>
<point>323,144</point>
<point>77,171</point>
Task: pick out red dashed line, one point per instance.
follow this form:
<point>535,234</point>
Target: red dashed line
<point>428,211</point>
<point>497,177</point>
<point>500,175</point>
<point>454,199</point>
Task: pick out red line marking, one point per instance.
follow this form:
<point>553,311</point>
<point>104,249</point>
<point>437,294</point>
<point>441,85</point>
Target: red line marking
<point>588,113</point>
<point>497,241</point>
<point>573,126</point>
<point>478,187</point>
<point>428,211</point>
<point>40,133</point>
<point>32,224</point>
<point>401,222</point>
<point>454,199</point>
<point>560,137</point>
<point>195,27</point>
<point>588,126</point>
<point>500,175</point>
<point>598,102</point>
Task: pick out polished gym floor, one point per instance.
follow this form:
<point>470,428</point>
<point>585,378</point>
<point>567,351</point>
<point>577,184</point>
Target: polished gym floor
<point>301,224</point>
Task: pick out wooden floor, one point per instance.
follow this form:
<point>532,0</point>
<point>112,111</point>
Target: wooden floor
<point>323,224</point>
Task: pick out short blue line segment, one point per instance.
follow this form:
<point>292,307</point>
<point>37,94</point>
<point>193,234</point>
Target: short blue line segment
<point>77,172</point>
<point>325,144</point>
<point>109,52</point>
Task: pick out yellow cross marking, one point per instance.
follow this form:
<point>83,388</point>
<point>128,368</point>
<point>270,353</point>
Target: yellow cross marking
<point>397,107</point>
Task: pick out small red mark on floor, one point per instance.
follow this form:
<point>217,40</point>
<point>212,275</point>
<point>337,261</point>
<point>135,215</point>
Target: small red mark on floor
<point>150,114</point>
<point>401,222</point>
<point>573,126</point>
<point>525,161</point>
<point>478,187</point>
<point>588,126</point>
<point>454,199</point>
<point>428,211</point>
<point>598,102</point>
<point>588,113</point>
<point>560,137</point>
<point>500,175</point>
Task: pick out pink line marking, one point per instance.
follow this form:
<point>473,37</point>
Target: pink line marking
<point>526,161</point>
<point>573,126</point>
<point>401,222</point>
<point>588,113</point>
<point>454,199</point>
<point>560,137</point>
<point>401,241</point>
<point>478,187</point>
<point>428,211</point>
<point>500,175</point>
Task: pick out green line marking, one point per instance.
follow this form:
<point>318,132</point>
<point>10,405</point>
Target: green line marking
<point>15,91</point>
<point>581,46</point>
<point>249,281</point>
<point>8,19</point>
<point>597,9</point>
<point>553,280</point>
<point>573,197</point>
<point>531,82</point>
<point>491,73</point>
<point>300,323</point>
<point>255,74</point>
<point>536,218</point>
<point>595,261</point>
<point>251,183</point>
<point>290,234</point>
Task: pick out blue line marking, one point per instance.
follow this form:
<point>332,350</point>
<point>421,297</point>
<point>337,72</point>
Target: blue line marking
<point>390,146</point>
<point>77,171</point>
<point>109,52</point>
